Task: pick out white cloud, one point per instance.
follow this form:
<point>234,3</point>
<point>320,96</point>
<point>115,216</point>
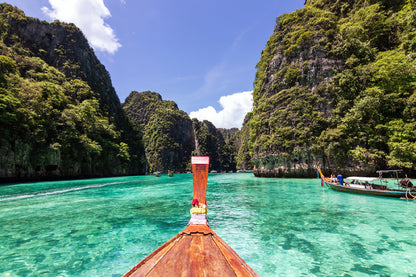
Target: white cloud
<point>235,107</point>
<point>89,16</point>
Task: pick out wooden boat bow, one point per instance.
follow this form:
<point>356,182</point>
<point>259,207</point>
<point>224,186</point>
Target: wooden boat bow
<point>197,250</point>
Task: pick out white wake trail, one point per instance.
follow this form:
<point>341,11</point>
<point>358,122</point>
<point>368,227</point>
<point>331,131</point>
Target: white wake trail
<point>47,193</point>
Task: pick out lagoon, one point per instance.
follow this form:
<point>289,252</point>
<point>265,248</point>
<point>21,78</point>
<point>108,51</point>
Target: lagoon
<point>280,227</point>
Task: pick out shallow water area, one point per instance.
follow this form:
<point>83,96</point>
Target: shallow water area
<point>281,227</point>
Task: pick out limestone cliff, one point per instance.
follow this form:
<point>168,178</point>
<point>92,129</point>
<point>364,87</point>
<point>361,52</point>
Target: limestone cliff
<point>171,137</point>
<point>334,88</point>
<point>60,116</point>
<point>218,144</point>
<point>167,131</point>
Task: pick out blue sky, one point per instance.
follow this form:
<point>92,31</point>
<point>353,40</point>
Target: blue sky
<point>199,53</point>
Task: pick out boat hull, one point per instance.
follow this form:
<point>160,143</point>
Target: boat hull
<point>346,188</point>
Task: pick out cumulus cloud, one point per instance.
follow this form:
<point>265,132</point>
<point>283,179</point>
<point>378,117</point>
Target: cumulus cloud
<point>235,107</point>
<point>89,16</point>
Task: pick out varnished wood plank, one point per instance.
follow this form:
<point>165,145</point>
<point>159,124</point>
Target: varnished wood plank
<point>240,267</point>
<point>211,262</point>
<point>150,261</point>
<point>204,229</point>
<point>175,260</point>
<point>200,179</point>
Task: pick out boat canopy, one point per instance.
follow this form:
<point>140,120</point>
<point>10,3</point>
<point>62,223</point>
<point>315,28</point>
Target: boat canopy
<point>363,179</point>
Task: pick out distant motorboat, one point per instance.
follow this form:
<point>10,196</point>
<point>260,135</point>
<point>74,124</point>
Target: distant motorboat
<point>372,185</point>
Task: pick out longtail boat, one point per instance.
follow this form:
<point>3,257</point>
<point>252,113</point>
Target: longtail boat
<point>197,250</point>
<point>372,185</point>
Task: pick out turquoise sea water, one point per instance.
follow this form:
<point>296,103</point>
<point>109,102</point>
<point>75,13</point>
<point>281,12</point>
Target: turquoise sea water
<point>281,227</point>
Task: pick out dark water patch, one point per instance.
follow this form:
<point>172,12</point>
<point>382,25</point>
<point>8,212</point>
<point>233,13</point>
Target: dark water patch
<point>397,228</point>
<point>373,270</point>
<point>358,250</point>
<point>23,272</point>
<point>385,237</point>
<point>381,250</point>
<point>73,232</point>
<point>316,270</point>
<point>296,243</point>
<point>19,242</point>
<point>394,245</point>
<point>39,258</point>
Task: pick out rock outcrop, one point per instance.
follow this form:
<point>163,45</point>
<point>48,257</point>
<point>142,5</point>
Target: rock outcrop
<point>326,87</point>
<point>167,131</point>
<point>171,137</point>
<point>61,117</point>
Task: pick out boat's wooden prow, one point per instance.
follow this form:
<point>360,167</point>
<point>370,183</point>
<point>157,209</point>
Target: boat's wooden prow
<point>197,250</point>
<point>200,167</point>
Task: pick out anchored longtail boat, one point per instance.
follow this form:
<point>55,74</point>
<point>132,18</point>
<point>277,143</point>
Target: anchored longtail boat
<point>197,250</point>
<point>372,185</point>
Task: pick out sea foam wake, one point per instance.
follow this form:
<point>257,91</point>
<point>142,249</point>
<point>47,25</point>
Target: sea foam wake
<point>55,192</point>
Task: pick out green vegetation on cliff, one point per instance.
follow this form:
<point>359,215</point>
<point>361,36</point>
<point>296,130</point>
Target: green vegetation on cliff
<point>243,158</point>
<point>167,131</point>
<point>336,88</point>
<point>171,137</point>
<point>211,142</point>
<point>52,121</point>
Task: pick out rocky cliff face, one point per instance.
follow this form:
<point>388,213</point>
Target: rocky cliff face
<point>55,61</point>
<point>167,131</point>
<point>218,144</point>
<point>324,89</point>
<point>171,137</point>
<point>241,140</point>
<point>64,47</point>
<point>290,94</point>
